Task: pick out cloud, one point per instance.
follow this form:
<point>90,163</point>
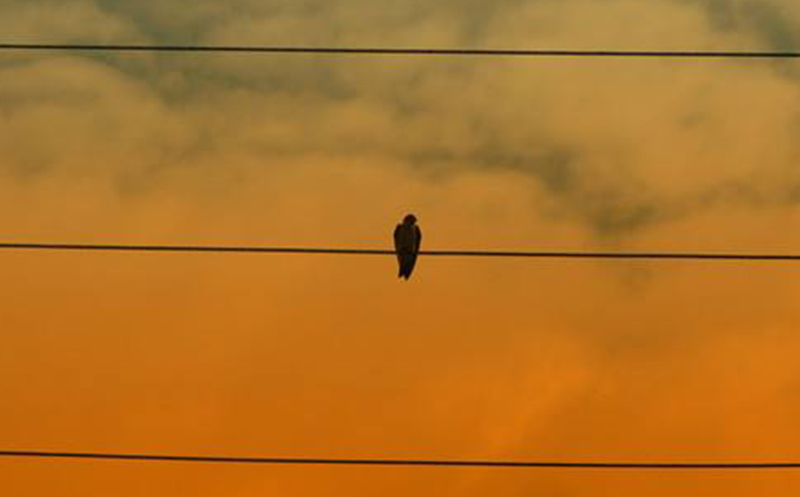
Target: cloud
<point>577,128</point>
<point>774,23</point>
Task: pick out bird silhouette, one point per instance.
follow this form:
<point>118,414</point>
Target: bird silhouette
<point>407,240</point>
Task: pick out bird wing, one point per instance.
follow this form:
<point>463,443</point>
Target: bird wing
<point>411,252</point>
<point>397,236</point>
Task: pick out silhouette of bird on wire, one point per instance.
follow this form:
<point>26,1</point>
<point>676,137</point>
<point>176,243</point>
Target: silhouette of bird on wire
<point>407,240</point>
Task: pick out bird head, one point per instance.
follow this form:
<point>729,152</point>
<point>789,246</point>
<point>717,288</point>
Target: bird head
<point>410,219</point>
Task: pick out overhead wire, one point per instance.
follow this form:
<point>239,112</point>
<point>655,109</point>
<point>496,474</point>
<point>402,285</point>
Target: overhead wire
<point>517,254</point>
<point>452,463</point>
<point>405,51</point>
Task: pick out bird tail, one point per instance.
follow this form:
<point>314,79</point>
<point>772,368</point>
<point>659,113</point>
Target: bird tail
<point>403,271</point>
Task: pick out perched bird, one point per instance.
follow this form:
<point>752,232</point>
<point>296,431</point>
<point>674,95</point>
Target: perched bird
<point>407,239</point>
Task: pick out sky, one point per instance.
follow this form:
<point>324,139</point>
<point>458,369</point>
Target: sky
<point>298,356</point>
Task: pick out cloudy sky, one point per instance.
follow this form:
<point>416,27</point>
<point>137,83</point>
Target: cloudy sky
<point>333,357</point>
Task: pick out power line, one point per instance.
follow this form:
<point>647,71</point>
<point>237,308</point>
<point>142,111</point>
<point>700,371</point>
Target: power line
<point>404,462</point>
<point>376,51</point>
<point>382,252</point>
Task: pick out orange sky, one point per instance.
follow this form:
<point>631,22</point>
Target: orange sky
<point>258,355</point>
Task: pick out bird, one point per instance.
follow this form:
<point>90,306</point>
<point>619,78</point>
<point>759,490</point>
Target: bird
<point>407,239</point>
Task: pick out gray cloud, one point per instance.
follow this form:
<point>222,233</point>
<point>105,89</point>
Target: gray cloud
<point>444,116</point>
<point>769,21</point>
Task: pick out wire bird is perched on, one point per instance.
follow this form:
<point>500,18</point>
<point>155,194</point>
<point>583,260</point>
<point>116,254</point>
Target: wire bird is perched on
<point>407,239</point>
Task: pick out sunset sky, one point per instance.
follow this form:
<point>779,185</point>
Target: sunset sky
<point>326,356</point>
